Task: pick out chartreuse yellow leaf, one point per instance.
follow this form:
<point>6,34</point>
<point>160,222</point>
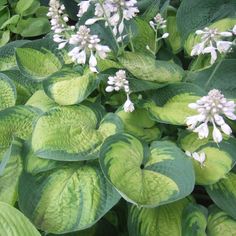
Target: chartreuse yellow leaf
<point>219,223</point>
<point>70,198</point>
<point>14,223</point>
<point>73,133</point>
<point>146,176</point>
<point>220,158</point>
<point>170,104</point>
<point>160,221</point>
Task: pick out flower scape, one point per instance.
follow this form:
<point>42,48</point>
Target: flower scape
<point>117,117</point>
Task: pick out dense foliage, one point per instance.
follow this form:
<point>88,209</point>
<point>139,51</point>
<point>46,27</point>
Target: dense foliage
<point>118,118</point>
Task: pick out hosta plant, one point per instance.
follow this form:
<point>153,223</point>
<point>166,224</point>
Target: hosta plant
<point>22,19</point>
<point>120,121</point>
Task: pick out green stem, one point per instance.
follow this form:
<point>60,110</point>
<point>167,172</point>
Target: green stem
<point>130,38</point>
<point>214,71</point>
<point>109,24</point>
<point>217,66</point>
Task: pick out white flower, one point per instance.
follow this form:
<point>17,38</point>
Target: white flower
<point>113,11</point>
<point>120,82</point>
<point>85,43</point>
<point>223,46</point>
<point>165,35</point>
<point>58,22</point>
<point>199,157</point>
<point>128,106</point>
<point>211,42</point>
<point>211,109</point>
<point>83,7</point>
<point>158,22</point>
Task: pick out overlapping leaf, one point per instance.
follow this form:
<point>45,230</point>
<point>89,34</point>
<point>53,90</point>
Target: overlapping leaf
<point>13,222</point>
<point>220,158</point>
<point>72,133</point>
<point>146,176</point>
<point>67,199</point>
<point>170,104</point>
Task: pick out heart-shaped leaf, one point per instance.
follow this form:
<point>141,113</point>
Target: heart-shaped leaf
<point>67,199</point>
<point>72,133</point>
<point>146,176</point>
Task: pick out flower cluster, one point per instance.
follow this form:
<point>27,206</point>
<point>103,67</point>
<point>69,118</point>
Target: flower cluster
<point>199,157</point>
<point>84,43</point>
<point>158,24</point>
<point>58,22</point>
<point>114,12</point>
<point>212,108</point>
<point>212,41</point>
<point>118,82</point>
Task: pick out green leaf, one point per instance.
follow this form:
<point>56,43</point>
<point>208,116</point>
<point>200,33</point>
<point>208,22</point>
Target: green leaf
<point>72,133</point>
<point>170,104</point>
<point>41,11</point>
<point>16,121</point>
<point>146,176</point>
<point>23,5</point>
<point>145,67</point>
<point>4,37</point>
<point>13,20</point>
<point>160,221</point>
<point>144,37</point>
<point>194,220</point>
<point>68,87</point>
<point>4,15</point>
<point>222,25</point>
<point>66,199</point>
<point>202,13</point>
<point>40,100</point>
<point>220,158</point>
<point>9,176</point>
<point>223,193</point>
<point>219,223</point>
<point>32,27</point>
<point>7,54</point>
<point>139,124</point>
<point>34,164</point>
<point>224,78</point>
<point>174,37</point>
<point>41,65</point>
<point>24,87</point>
<point>13,222</point>
<point>7,92</point>
<point>3,2</point>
